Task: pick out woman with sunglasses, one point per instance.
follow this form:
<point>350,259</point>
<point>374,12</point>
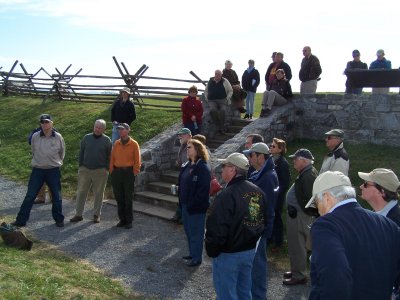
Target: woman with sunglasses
<point>194,189</point>
<point>278,150</point>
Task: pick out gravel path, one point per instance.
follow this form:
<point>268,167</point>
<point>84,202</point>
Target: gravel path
<point>146,258</point>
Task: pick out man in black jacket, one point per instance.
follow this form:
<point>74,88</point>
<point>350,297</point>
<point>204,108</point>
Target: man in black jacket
<point>309,72</point>
<point>234,227</point>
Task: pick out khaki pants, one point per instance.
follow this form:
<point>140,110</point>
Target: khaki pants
<point>298,234</point>
<point>271,98</point>
<point>308,87</point>
<point>217,112</point>
<point>97,179</point>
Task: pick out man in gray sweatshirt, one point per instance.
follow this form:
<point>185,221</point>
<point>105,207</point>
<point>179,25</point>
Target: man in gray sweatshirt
<point>48,151</point>
<point>94,162</point>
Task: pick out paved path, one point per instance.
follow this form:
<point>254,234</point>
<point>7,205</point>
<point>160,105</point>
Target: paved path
<point>146,258</point>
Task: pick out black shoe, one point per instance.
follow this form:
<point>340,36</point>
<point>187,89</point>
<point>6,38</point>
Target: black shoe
<point>246,116</point>
<point>265,112</point>
<point>128,226</point>
<point>121,224</point>
<point>187,257</point>
<point>175,218</point>
<point>193,263</point>
<point>251,116</point>
<point>60,224</point>
<point>17,224</point>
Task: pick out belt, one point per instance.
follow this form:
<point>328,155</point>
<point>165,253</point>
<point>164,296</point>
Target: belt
<point>123,168</point>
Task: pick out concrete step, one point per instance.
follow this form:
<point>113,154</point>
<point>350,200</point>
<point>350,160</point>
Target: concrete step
<point>160,187</point>
<point>171,176</point>
<point>234,129</point>
<point>241,122</point>
<point>148,209</point>
<point>157,199</point>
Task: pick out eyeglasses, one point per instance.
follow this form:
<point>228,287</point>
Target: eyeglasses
<point>366,184</point>
<point>44,121</point>
<point>272,146</point>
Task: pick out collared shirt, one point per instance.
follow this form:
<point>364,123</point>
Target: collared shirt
<point>126,155</point>
<point>47,151</point>
<point>342,203</point>
<point>387,208</point>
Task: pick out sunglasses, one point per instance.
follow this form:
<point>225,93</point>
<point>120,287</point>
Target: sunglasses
<point>272,146</point>
<point>366,184</point>
<point>44,121</point>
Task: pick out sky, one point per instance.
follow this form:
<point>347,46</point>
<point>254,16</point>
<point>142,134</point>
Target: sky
<point>174,37</point>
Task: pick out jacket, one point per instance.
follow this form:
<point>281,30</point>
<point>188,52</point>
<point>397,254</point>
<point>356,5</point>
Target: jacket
<point>283,172</point>
<point>282,87</point>
<point>191,106</point>
<point>237,218</point>
<point>282,65</point>
<point>125,113</point>
<point>381,64</point>
<point>248,78</point>
<point>218,90</point>
<point>356,255</point>
<point>336,160</point>
<point>310,68</point>
<point>231,76</point>
<point>199,189</point>
<point>267,180</point>
<point>303,186</point>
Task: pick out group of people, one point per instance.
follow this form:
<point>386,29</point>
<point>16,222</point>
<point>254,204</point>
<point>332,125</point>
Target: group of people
<point>347,243</point>
<point>98,157</point>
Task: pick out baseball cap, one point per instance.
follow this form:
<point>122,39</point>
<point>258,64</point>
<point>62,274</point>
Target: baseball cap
<point>386,178</point>
<point>228,61</point>
<point>45,117</point>
<point>126,90</point>
<point>237,159</point>
<point>124,126</point>
<point>326,181</point>
<point>257,147</point>
<point>304,153</point>
<point>184,131</point>
<point>356,52</point>
<point>380,52</point>
<point>335,132</point>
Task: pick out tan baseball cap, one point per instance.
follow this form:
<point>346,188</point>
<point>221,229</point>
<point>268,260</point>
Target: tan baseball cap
<point>326,181</point>
<point>237,159</point>
<point>386,178</point>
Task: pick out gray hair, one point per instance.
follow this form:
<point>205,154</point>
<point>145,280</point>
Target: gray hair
<point>309,161</point>
<point>340,193</point>
<point>240,172</point>
<point>102,122</point>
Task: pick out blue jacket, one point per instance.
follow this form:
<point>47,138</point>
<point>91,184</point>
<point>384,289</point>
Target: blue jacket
<point>267,179</point>
<point>381,64</point>
<point>199,188</point>
<point>356,255</point>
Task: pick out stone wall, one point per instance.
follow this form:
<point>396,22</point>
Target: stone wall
<point>364,118</point>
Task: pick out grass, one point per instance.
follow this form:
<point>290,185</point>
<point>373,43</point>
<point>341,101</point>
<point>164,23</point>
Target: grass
<point>46,273</point>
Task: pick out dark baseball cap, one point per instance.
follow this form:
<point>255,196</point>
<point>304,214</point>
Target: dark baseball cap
<point>356,52</point>
<point>45,117</point>
<point>305,153</point>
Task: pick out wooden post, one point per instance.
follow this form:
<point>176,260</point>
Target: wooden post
<point>5,84</point>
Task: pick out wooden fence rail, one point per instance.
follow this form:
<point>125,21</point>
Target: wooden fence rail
<point>95,88</point>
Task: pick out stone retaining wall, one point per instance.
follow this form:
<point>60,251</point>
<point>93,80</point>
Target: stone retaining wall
<point>364,118</point>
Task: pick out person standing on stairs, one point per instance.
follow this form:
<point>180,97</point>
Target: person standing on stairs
<point>218,94</point>
<point>250,82</point>
<point>192,111</point>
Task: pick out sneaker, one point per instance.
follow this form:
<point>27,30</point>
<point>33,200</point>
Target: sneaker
<point>128,226</point>
<point>76,219</point>
<point>96,219</point>
<point>250,116</point>
<point>246,116</point>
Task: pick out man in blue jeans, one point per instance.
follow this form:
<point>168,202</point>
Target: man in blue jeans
<point>48,151</point>
<point>234,226</point>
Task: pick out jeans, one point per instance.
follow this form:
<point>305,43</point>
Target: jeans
<point>115,133</point>
<point>52,178</point>
<point>194,229</point>
<point>259,272</point>
<point>232,275</point>
<point>250,102</point>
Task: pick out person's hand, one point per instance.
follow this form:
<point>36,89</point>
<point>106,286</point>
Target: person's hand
<point>236,87</point>
<point>193,118</point>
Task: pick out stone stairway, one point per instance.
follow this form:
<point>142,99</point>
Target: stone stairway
<point>157,199</point>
